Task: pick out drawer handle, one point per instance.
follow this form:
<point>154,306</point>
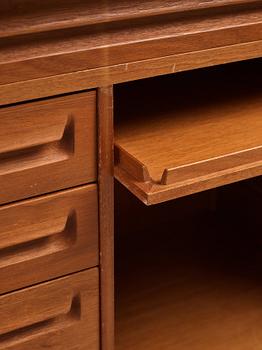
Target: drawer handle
<point>64,316</point>
<point>43,239</point>
<point>48,149</point>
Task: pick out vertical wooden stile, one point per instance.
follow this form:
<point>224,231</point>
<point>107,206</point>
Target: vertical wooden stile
<point>106,213</point>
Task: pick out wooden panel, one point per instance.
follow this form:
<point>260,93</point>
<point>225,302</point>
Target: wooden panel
<point>172,142</point>
<point>190,279</point>
<point>53,139</point>
<point>61,314</point>
<point>55,39</point>
<point>106,217</point>
<point>48,236</point>
<point>104,76</point>
<point>61,14</point>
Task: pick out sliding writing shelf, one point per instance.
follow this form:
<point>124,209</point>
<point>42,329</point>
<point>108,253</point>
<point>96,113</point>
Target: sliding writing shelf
<point>188,132</point>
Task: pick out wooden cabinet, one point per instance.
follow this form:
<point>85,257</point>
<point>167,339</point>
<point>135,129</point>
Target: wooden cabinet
<point>165,97</point>
<point>47,146</point>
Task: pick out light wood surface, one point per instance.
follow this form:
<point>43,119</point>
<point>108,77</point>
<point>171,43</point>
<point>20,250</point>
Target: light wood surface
<point>48,237</point>
<point>184,129</point>
<point>61,314</point>
<point>52,139</point>
<point>106,214</point>
<point>190,279</point>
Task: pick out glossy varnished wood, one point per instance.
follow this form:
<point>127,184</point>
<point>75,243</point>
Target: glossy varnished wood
<point>48,237</point>
<point>63,46</point>
<point>60,314</point>
<point>106,214</point>
<point>201,126</point>
<point>112,74</point>
<point>62,14</point>
<point>47,145</point>
<point>43,42</point>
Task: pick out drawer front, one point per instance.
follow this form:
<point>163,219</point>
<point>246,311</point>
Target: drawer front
<point>58,315</point>
<point>48,237</point>
<point>47,146</point>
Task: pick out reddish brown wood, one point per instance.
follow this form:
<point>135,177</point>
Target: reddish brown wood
<point>61,314</point>
<point>47,145</point>
<point>61,14</point>
<point>62,46</point>
<point>59,47</point>
<point>189,276</point>
<point>48,237</point>
<point>183,134</point>
<point>106,211</point>
<point>103,76</point>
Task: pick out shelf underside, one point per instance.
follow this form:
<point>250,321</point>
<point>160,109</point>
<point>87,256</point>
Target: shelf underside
<point>198,130</point>
<point>195,284</point>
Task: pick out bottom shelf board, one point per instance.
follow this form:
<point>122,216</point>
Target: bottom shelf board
<point>201,290</point>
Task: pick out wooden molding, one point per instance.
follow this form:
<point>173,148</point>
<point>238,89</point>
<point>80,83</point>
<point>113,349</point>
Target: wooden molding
<point>103,76</point>
<point>87,37</point>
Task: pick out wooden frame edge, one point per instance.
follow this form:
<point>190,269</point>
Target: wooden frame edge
<point>106,214</point>
<point>105,76</point>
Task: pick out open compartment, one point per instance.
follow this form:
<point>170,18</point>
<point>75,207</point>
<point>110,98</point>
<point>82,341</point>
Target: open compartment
<point>192,131</point>
<point>188,272</point>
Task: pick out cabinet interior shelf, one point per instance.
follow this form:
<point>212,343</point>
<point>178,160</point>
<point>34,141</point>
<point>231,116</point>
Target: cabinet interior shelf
<point>194,280</point>
<point>189,132</point>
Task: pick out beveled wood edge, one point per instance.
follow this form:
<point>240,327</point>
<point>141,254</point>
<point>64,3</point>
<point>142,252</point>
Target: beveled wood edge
<point>140,189</point>
<point>203,183</point>
<point>132,165</point>
<point>104,76</point>
<point>211,165</point>
<point>158,193</point>
<point>106,214</point>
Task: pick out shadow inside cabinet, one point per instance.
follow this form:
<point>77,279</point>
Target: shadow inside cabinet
<point>188,272</point>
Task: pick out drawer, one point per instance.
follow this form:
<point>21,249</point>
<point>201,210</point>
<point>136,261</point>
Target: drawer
<point>47,237</point>
<point>47,145</point>
<point>61,314</point>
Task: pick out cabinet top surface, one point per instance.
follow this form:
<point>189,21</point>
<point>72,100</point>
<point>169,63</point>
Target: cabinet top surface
<point>98,43</point>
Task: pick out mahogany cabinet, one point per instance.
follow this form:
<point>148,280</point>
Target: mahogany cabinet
<point>130,174</point>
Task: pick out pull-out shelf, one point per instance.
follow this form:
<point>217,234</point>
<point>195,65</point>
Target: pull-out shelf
<point>181,134</point>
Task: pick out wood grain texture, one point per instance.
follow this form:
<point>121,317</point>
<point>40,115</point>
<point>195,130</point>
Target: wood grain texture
<point>61,314</point>
<point>53,138</point>
<point>61,50</point>
<point>190,279</point>
<point>106,214</point>
<point>104,76</point>
<point>48,237</point>
<point>22,17</point>
<point>175,142</point>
